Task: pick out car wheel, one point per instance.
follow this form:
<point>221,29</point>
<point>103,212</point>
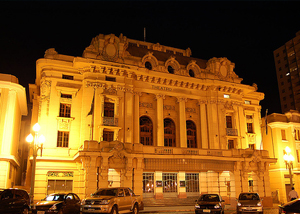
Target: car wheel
<point>25,211</point>
<point>135,209</point>
<point>114,210</point>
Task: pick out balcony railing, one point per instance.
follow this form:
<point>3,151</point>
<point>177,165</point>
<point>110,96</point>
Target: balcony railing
<point>110,121</point>
<point>231,132</point>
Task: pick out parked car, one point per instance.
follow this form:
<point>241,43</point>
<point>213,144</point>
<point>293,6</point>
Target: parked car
<point>59,203</point>
<point>249,202</point>
<point>112,200</point>
<point>210,203</point>
<point>14,201</point>
<point>290,207</point>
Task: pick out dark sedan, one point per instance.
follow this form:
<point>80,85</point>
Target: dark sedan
<point>290,207</point>
<point>59,203</point>
<point>210,203</point>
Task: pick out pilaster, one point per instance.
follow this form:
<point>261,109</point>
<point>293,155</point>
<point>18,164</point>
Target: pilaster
<point>160,119</point>
<point>203,124</point>
<point>182,122</point>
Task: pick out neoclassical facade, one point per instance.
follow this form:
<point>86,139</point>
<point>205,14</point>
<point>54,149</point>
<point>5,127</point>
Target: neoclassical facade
<point>13,105</point>
<point>150,117</point>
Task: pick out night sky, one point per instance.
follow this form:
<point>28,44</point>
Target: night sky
<point>246,33</point>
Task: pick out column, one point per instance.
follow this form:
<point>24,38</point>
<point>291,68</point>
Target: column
<point>182,122</point>
<point>103,178</point>
<point>160,119</point>
<point>158,190</point>
<point>136,121</point>
<point>241,126</point>
<point>138,177</point>
<point>203,124</point>
<point>181,189</point>
<point>213,126</point>
<point>257,129</point>
<point>89,163</point>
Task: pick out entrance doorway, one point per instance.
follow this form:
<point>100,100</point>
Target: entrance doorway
<point>114,177</point>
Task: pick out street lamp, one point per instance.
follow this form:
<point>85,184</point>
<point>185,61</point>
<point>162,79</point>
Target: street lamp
<point>288,159</point>
<point>36,143</point>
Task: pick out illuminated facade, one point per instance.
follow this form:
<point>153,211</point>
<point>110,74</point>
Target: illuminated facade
<point>287,63</point>
<point>13,106</point>
<point>150,117</point>
<point>283,130</point>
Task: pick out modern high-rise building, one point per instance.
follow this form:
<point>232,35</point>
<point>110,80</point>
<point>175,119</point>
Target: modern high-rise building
<point>287,63</point>
<point>149,117</point>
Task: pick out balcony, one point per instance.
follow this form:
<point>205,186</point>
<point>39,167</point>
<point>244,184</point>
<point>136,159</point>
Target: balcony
<point>110,121</point>
<point>231,132</point>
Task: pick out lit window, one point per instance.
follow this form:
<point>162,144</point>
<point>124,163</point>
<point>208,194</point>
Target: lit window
<point>226,96</point>
<point>287,74</point>
<point>63,139</point>
<point>247,102</point>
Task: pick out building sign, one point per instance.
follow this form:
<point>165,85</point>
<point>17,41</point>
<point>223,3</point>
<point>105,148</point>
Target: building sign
<point>161,88</point>
<point>60,174</point>
<point>159,184</point>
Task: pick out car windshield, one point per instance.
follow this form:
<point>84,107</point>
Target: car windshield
<point>107,192</point>
<point>55,198</point>
<point>209,198</point>
<point>249,196</point>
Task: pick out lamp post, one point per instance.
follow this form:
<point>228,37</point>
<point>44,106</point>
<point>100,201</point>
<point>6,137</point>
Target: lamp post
<point>288,159</point>
<point>36,143</point>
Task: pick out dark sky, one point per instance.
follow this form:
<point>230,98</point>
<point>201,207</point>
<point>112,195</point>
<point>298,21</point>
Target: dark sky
<point>246,33</point>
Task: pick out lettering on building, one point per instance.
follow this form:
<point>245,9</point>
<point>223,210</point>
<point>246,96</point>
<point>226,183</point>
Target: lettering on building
<point>161,88</point>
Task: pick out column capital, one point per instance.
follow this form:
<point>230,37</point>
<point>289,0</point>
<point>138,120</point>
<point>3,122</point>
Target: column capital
<point>181,99</point>
<point>157,96</point>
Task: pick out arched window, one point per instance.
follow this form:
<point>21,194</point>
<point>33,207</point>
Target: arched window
<point>171,69</point>
<point>148,65</point>
<point>191,73</point>
<point>191,134</point>
<point>169,128</point>
<point>146,131</point>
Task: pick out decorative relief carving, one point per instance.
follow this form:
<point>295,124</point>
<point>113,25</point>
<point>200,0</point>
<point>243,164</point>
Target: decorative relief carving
<point>191,110</point>
<point>228,105</point>
<point>146,105</point>
<point>181,99</point>
<point>157,96</point>
<point>118,158</point>
<point>169,107</point>
<point>64,123</point>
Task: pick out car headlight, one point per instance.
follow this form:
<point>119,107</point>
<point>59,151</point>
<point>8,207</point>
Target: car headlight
<point>239,204</point>
<point>259,204</point>
<point>105,201</point>
<point>217,206</point>
<point>53,207</point>
<point>83,202</point>
<point>197,206</point>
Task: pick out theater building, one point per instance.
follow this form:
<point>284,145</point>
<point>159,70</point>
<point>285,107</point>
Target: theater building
<point>150,117</point>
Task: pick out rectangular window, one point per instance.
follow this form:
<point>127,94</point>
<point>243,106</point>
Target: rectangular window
<point>68,96</point>
<point>68,77</point>
<point>250,127</point>
<point>283,137</point>
<point>62,139</point>
<point>65,110</point>
<point>230,144</point>
<point>228,122</point>
<point>148,182</point>
<point>108,136</point>
<point>247,102</point>
<point>297,134</point>
<point>192,182</point>
<point>298,158</point>
<point>109,109</point>
<point>112,79</point>
<point>226,96</point>
<point>61,186</point>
